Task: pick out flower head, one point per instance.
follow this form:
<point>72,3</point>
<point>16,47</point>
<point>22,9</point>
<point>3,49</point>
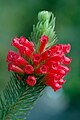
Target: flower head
<point>51,65</point>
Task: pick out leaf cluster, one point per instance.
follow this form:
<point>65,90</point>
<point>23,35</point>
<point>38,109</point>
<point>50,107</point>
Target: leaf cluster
<point>45,26</point>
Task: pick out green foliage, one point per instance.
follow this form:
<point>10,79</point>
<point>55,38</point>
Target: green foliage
<point>18,99</point>
<point>45,26</point>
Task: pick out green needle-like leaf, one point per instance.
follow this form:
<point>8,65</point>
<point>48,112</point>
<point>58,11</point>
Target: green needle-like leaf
<point>45,26</point>
<point>19,98</point>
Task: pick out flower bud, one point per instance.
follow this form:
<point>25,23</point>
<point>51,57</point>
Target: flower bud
<point>44,15</point>
<point>43,42</point>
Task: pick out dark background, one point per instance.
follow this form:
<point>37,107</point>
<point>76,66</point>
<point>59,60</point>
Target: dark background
<point>16,19</point>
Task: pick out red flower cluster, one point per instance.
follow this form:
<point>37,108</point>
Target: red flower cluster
<point>51,63</point>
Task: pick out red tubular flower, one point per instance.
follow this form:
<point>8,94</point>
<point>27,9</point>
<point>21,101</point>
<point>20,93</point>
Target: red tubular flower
<point>51,64</point>
<point>14,68</point>
<point>58,71</point>
<point>11,56</point>
<point>26,43</point>
<point>43,42</point>
<point>56,58</point>
<point>55,86</point>
<point>28,52</point>
<point>21,61</point>
<point>28,69</point>
<point>58,49</point>
<point>15,42</point>
<point>47,54</point>
<point>31,80</point>
<point>61,81</point>
<point>16,59</point>
<point>66,60</point>
<point>58,76</point>
<point>66,48</point>
<point>65,68</point>
<point>22,42</point>
<point>36,59</point>
<point>25,51</point>
<point>42,70</point>
<point>53,76</point>
<point>55,48</point>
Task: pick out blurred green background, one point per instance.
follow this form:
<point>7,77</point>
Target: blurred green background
<point>17,18</point>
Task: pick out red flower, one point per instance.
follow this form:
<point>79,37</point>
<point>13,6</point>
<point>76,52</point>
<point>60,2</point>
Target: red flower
<point>14,68</point>
<point>22,42</point>
<point>26,43</point>
<point>31,80</point>
<point>67,60</point>
<point>55,49</point>
<point>42,70</point>
<point>47,54</point>
<point>60,48</point>
<point>15,42</point>
<point>66,48</point>
<point>11,56</point>
<point>36,59</point>
<point>56,86</point>
<point>65,68</point>
<point>60,72</point>
<point>51,64</point>
<point>25,51</point>
<point>23,45</point>
<point>61,81</point>
<point>53,76</point>
<point>43,42</point>
<point>28,69</point>
<point>16,59</point>
<point>56,58</point>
